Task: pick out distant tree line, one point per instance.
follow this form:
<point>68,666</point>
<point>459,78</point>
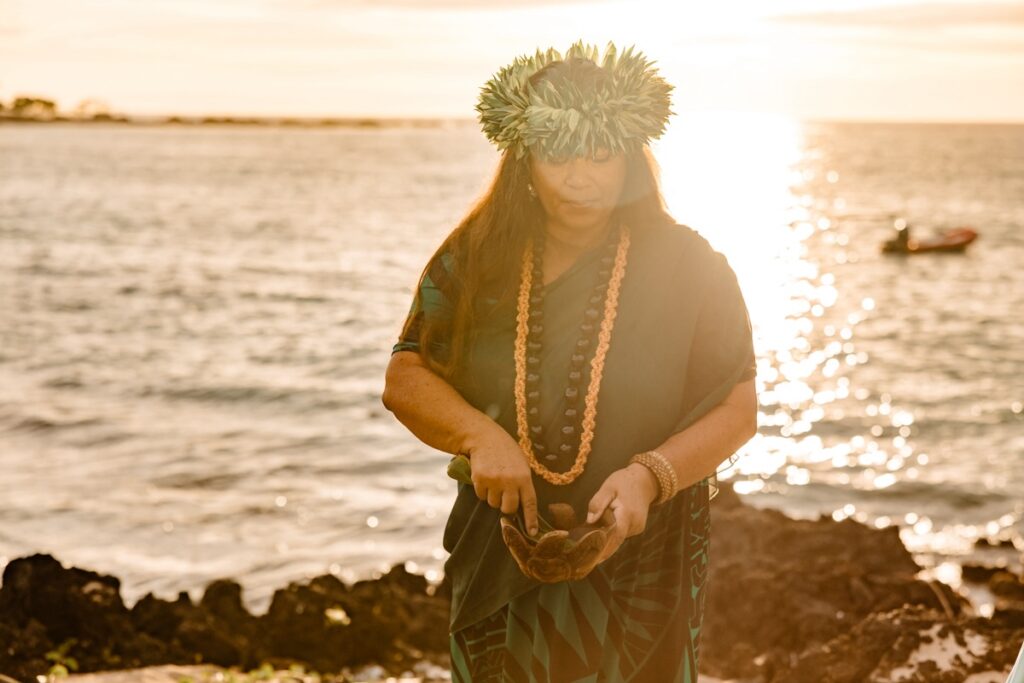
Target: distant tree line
<point>31,107</point>
<point>43,109</point>
<point>28,108</point>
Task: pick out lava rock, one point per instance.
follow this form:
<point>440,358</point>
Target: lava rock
<point>913,644</point>
<point>779,585</point>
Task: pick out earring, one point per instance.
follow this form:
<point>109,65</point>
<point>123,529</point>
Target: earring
<point>529,188</point>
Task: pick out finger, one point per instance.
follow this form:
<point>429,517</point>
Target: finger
<point>599,502</point>
<point>625,516</point>
<point>621,527</point>
<point>494,498</point>
<point>528,497</point>
<point>609,544</point>
<point>509,501</point>
<point>481,490</point>
<point>615,535</point>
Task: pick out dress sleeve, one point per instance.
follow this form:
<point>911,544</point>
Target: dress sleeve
<point>432,303</point>
<point>723,347</point>
<point>722,352</point>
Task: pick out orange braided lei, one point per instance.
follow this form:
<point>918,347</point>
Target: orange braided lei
<point>596,363</point>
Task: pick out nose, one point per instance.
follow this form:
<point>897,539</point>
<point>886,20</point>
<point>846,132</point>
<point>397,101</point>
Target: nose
<point>576,174</point>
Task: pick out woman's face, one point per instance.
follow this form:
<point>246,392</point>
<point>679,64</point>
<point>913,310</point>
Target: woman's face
<point>579,192</point>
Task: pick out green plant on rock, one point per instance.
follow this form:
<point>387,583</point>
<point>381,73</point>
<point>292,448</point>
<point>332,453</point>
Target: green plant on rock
<point>56,671</point>
<point>109,658</point>
<point>265,672</point>
<point>62,661</point>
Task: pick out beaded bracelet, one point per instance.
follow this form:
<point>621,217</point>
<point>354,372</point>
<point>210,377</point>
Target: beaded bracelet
<point>668,484</point>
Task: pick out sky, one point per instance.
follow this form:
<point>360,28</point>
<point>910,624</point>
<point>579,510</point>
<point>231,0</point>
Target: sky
<point>809,59</point>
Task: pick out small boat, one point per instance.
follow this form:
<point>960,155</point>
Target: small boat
<point>952,241</point>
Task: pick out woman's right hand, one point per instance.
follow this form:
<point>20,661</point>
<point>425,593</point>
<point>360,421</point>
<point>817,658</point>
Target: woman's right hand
<point>502,476</point>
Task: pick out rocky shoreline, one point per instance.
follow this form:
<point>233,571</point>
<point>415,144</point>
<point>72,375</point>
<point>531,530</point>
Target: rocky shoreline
<point>789,601</point>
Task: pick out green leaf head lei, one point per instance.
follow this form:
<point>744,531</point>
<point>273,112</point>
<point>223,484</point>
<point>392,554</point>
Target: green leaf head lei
<point>622,105</point>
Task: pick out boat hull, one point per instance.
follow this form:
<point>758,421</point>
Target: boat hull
<point>953,241</point>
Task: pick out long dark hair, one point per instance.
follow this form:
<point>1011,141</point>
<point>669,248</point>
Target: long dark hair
<point>486,250</point>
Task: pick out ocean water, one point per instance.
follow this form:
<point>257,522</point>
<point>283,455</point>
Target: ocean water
<point>196,321</point>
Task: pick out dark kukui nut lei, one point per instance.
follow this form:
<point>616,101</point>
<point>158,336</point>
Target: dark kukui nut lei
<point>582,352</point>
<point>577,426</point>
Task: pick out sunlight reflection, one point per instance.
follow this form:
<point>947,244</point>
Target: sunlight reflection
<point>759,191</point>
<point>734,178</point>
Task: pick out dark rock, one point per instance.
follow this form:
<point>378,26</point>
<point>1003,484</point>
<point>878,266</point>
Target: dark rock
<point>298,626</point>
<point>1008,589</point>
<point>67,602</point>
<point>886,642</point>
<point>1010,617</point>
<point>779,585</point>
<point>1004,542</point>
<point>223,598</point>
<point>240,630</point>
<point>77,612</point>
<point>23,650</point>
<point>204,635</point>
<point>159,618</point>
<point>977,573</point>
<point>392,620</point>
<point>1007,585</point>
<point>402,579</point>
<point>444,589</point>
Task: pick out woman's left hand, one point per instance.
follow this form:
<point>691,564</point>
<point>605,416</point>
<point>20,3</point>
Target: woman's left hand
<point>628,492</point>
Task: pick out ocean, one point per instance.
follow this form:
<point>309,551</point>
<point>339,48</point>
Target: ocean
<point>196,322</point>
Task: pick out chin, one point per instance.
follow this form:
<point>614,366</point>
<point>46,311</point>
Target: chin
<point>585,218</point>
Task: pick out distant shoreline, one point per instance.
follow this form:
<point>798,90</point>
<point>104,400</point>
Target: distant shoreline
<point>376,122</point>
<point>301,122</point>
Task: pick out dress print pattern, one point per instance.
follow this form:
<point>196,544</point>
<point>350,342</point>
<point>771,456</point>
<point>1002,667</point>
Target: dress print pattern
<point>637,617</point>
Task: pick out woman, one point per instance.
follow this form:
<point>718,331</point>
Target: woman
<point>578,346</point>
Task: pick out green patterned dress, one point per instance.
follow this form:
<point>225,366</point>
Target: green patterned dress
<point>682,340</point>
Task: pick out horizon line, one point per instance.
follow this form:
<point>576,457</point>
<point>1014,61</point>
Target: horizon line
<point>375,119</point>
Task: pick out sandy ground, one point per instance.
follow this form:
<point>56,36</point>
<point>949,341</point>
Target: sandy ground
<point>213,674</point>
